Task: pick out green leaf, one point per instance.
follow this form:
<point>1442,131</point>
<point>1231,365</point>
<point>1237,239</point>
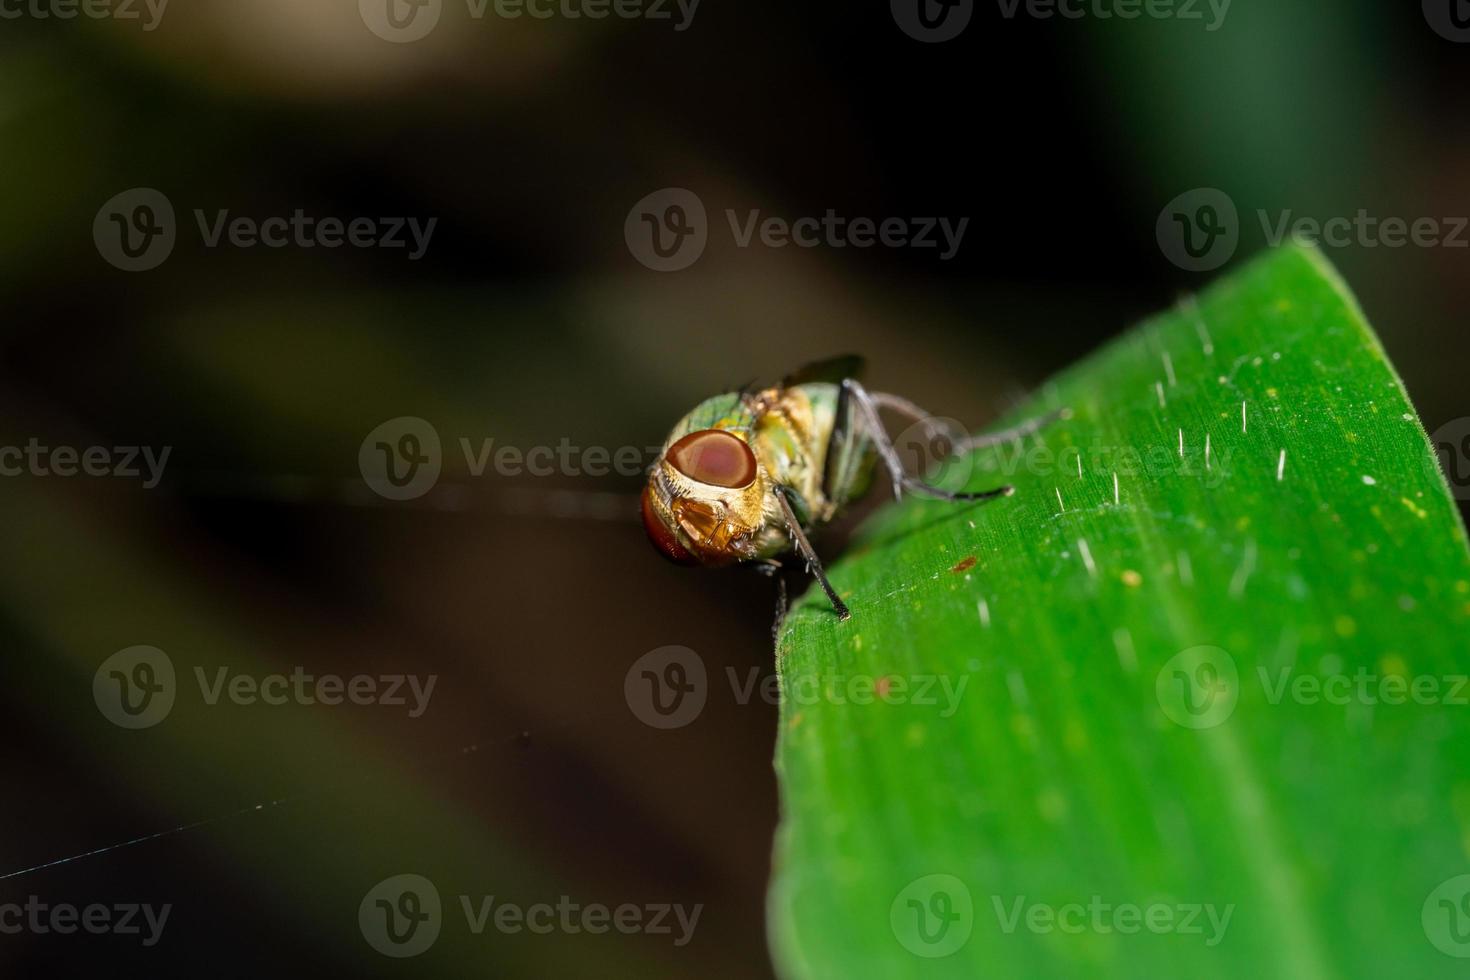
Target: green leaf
<point>1063,729</point>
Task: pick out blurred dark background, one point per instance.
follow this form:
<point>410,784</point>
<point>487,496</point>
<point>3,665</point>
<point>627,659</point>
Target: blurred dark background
<point>529,320</point>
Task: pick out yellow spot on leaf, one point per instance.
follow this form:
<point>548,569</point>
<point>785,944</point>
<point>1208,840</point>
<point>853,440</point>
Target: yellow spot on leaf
<point>1075,736</point>
<point>1132,579</point>
<point>1052,806</point>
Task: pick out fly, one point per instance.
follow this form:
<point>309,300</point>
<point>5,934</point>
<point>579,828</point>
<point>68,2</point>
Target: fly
<point>746,475</point>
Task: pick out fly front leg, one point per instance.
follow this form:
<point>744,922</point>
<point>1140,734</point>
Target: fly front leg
<point>804,549</point>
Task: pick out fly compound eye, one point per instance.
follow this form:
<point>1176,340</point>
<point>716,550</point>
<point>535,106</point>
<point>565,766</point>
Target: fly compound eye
<point>661,534</point>
<point>715,457</point>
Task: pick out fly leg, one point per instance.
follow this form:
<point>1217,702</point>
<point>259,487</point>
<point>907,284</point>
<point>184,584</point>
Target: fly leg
<point>963,442</point>
<point>867,409</point>
<point>932,426</point>
<point>771,569</point>
<point>804,549</point>
<point>1010,435</point>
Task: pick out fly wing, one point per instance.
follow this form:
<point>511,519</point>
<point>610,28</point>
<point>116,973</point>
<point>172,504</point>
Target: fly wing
<point>850,454</point>
<point>833,370</point>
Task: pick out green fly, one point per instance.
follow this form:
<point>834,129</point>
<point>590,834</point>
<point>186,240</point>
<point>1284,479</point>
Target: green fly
<point>747,474</point>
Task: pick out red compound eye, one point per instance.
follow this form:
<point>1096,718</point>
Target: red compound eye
<point>714,456</point>
<point>662,535</point>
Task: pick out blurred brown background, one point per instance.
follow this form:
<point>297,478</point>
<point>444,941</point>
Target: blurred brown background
<point>528,320</point>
